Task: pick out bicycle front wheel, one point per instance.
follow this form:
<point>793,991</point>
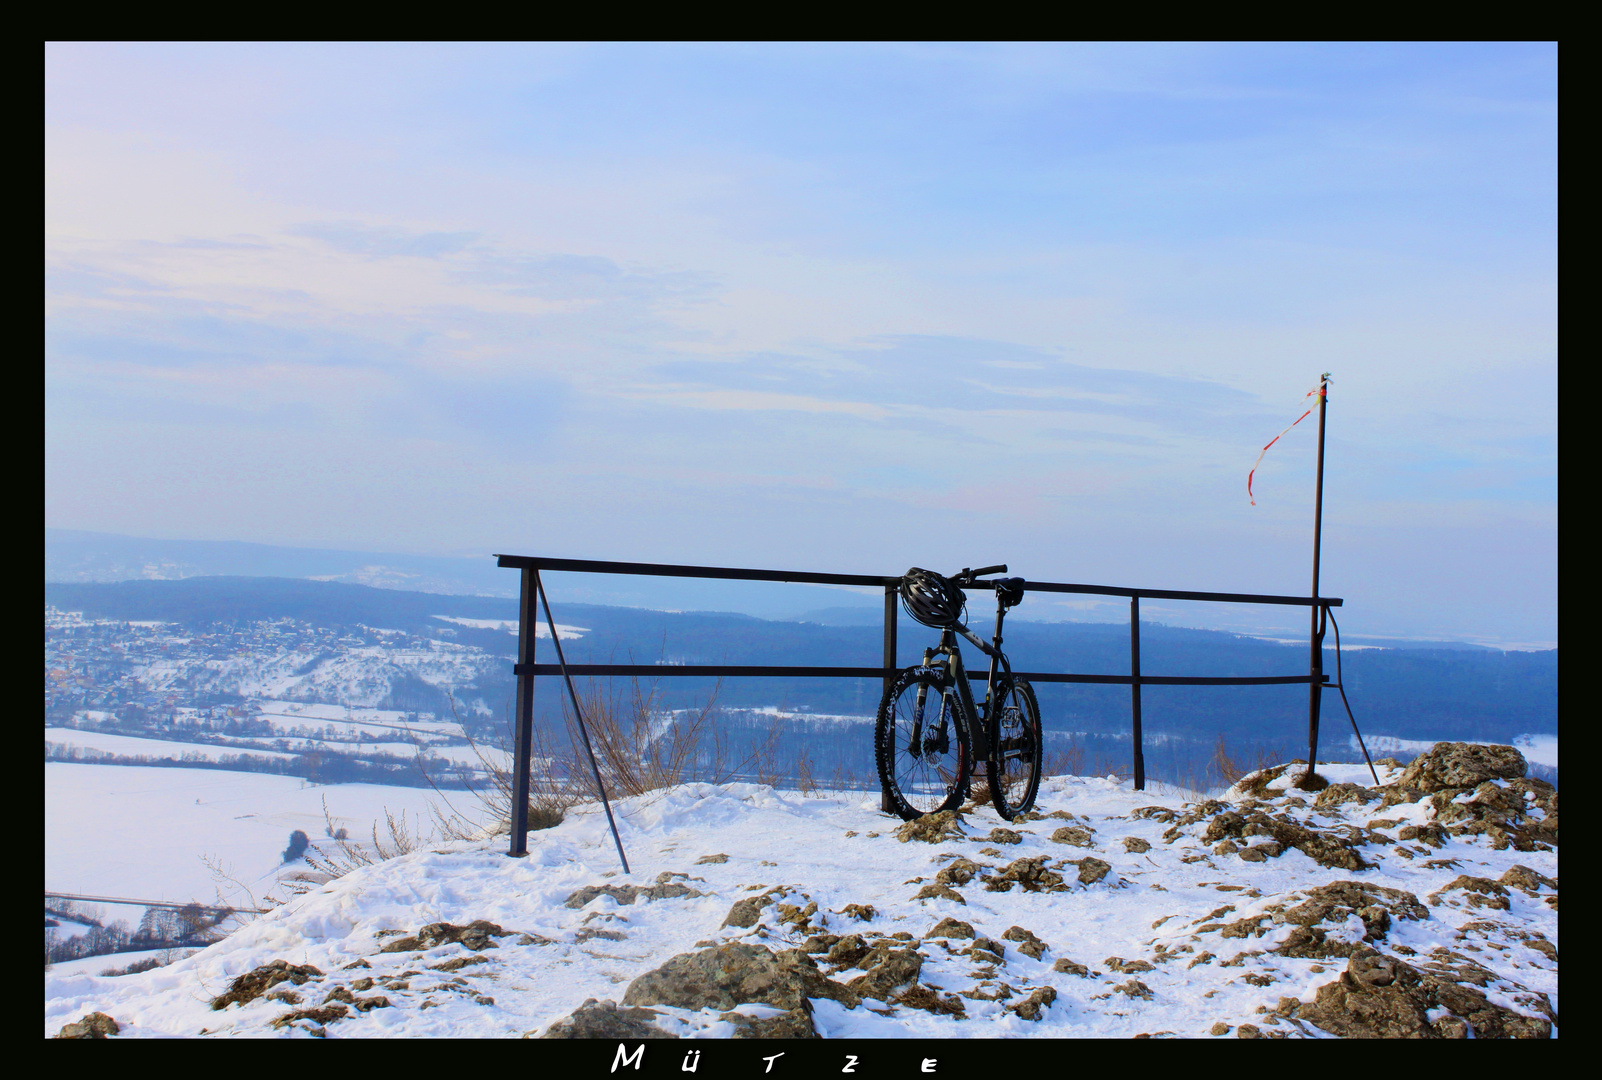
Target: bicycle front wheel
<point>921,744</point>
<point>1014,768</point>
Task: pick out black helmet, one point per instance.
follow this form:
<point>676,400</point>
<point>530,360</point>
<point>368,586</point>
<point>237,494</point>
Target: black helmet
<point>932,600</point>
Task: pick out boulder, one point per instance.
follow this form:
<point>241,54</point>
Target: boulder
<point>476,936</point>
<point>1462,765</point>
<point>604,1020</point>
<point>933,828</point>
<point>736,974</point>
<point>253,984</point>
<point>96,1025</point>
<point>1381,997</point>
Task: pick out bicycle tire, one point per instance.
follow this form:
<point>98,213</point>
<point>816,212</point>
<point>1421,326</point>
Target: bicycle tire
<point>932,776</point>
<point>1014,767</point>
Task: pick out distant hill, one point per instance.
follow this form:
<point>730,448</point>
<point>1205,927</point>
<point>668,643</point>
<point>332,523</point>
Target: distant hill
<point>1408,693</point>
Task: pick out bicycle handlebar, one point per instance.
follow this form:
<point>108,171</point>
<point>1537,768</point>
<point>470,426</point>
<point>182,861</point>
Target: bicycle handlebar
<point>966,576</point>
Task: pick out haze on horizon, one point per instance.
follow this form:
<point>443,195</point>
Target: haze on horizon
<point>824,307</point>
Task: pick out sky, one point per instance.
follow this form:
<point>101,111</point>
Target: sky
<point>823,307</point>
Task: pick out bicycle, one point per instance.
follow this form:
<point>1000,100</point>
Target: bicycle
<point>926,758</point>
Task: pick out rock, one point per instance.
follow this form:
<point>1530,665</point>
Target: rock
<point>1069,967</point>
<point>939,892</point>
<point>860,912</point>
<point>1248,1031</point>
<point>1324,847</point>
<point>1157,813</point>
<point>1005,836</point>
<point>706,860</point>
<point>456,963</point>
<point>1339,794</point>
<point>604,1020</point>
<point>1028,944</point>
<point>987,951</point>
<point>1077,835</point>
<point>1462,765</point>
<point>817,943</point>
<point>736,974</point>
<point>95,1025</point>
<point>745,913</point>
<point>791,1024</point>
<point>1127,967</point>
<point>628,894</point>
<point>1219,1028</point>
<point>1480,892</point>
<point>950,928</point>
<point>1135,845</point>
<point>1382,997</point>
<point>1031,1007</point>
<point>1134,988</point>
<point>1334,904</point>
<point>251,985</point>
<point>929,1000</point>
<point>322,1016</point>
<point>1093,870</point>
<point>847,951</point>
<point>476,935</point>
<point>888,970</point>
<point>1522,877</point>
<point>933,828</point>
<point>1031,873</point>
<point>960,872</point>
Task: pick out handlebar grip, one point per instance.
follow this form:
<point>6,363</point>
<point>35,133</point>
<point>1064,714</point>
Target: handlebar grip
<point>1002,569</point>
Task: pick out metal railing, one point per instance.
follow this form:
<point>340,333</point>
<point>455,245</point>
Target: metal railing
<point>526,668</point>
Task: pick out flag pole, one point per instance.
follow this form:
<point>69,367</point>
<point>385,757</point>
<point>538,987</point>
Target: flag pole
<point>1310,781</point>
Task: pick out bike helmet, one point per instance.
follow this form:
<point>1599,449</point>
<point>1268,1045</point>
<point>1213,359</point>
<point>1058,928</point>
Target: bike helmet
<point>932,599</point>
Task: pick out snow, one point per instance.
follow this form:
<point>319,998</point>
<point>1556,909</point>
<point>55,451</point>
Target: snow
<point>130,746</point>
<point>835,849</point>
<point>541,630</point>
<point>143,831</point>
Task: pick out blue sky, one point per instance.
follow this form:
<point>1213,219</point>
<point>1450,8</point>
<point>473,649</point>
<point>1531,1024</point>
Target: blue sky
<point>824,307</point>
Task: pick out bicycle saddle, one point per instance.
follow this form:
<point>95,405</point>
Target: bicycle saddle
<point>1010,591</point>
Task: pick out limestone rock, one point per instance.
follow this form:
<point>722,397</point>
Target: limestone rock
<point>476,936</point>
<point>933,828</point>
<point>951,928</point>
<point>736,974</point>
<point>1077,835</point>
<point>604,1020</point>
<point>96,1025</point>
<point>1382,997</point>
<point>1462,765</point>
<point>1028,943</point>
<point>251,985</point>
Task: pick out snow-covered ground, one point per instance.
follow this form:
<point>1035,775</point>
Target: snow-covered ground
<point>1177,937</point>
<point>143,832</point>
<point>128,746</point>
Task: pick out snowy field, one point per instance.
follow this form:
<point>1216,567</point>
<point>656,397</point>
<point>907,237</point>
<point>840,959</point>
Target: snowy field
<point>127,830</point>
<point>1178,937</point>
<point>132,746</point>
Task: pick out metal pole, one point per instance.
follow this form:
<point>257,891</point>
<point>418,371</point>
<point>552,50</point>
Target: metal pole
<point>891,595</point>
<point>1134,691</point>
<point>527,621</point>
<point>1315,687</point>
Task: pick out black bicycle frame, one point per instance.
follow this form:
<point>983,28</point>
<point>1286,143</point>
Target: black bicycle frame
<point>983,746</point>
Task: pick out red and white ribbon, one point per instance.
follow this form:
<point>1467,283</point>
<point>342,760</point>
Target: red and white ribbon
<point>1317,390</point>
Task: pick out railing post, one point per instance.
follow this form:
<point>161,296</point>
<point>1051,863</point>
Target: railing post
<point>1315,687</point>
<point>1134,690</point>
<point>523,736</point>
<point>891,595</point>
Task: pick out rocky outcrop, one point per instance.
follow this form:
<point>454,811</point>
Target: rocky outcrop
<point>96,1025</point>
<point>604,1020</point>
<point>475,936</point>
<point>1380,997</point>
<point>736,974</point>
<point>664,889</point>
<point>253,984</point>
<point>1330,906</point>
<point>1326,848</point>
<point>1456,765</point>
<point>933,828</point>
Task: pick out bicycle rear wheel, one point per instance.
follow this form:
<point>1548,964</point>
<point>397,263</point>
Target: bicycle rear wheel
<point>1014,769</point>
<point>921,744</point>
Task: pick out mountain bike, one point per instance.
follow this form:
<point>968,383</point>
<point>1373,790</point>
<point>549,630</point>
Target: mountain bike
<point>930,734</point>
